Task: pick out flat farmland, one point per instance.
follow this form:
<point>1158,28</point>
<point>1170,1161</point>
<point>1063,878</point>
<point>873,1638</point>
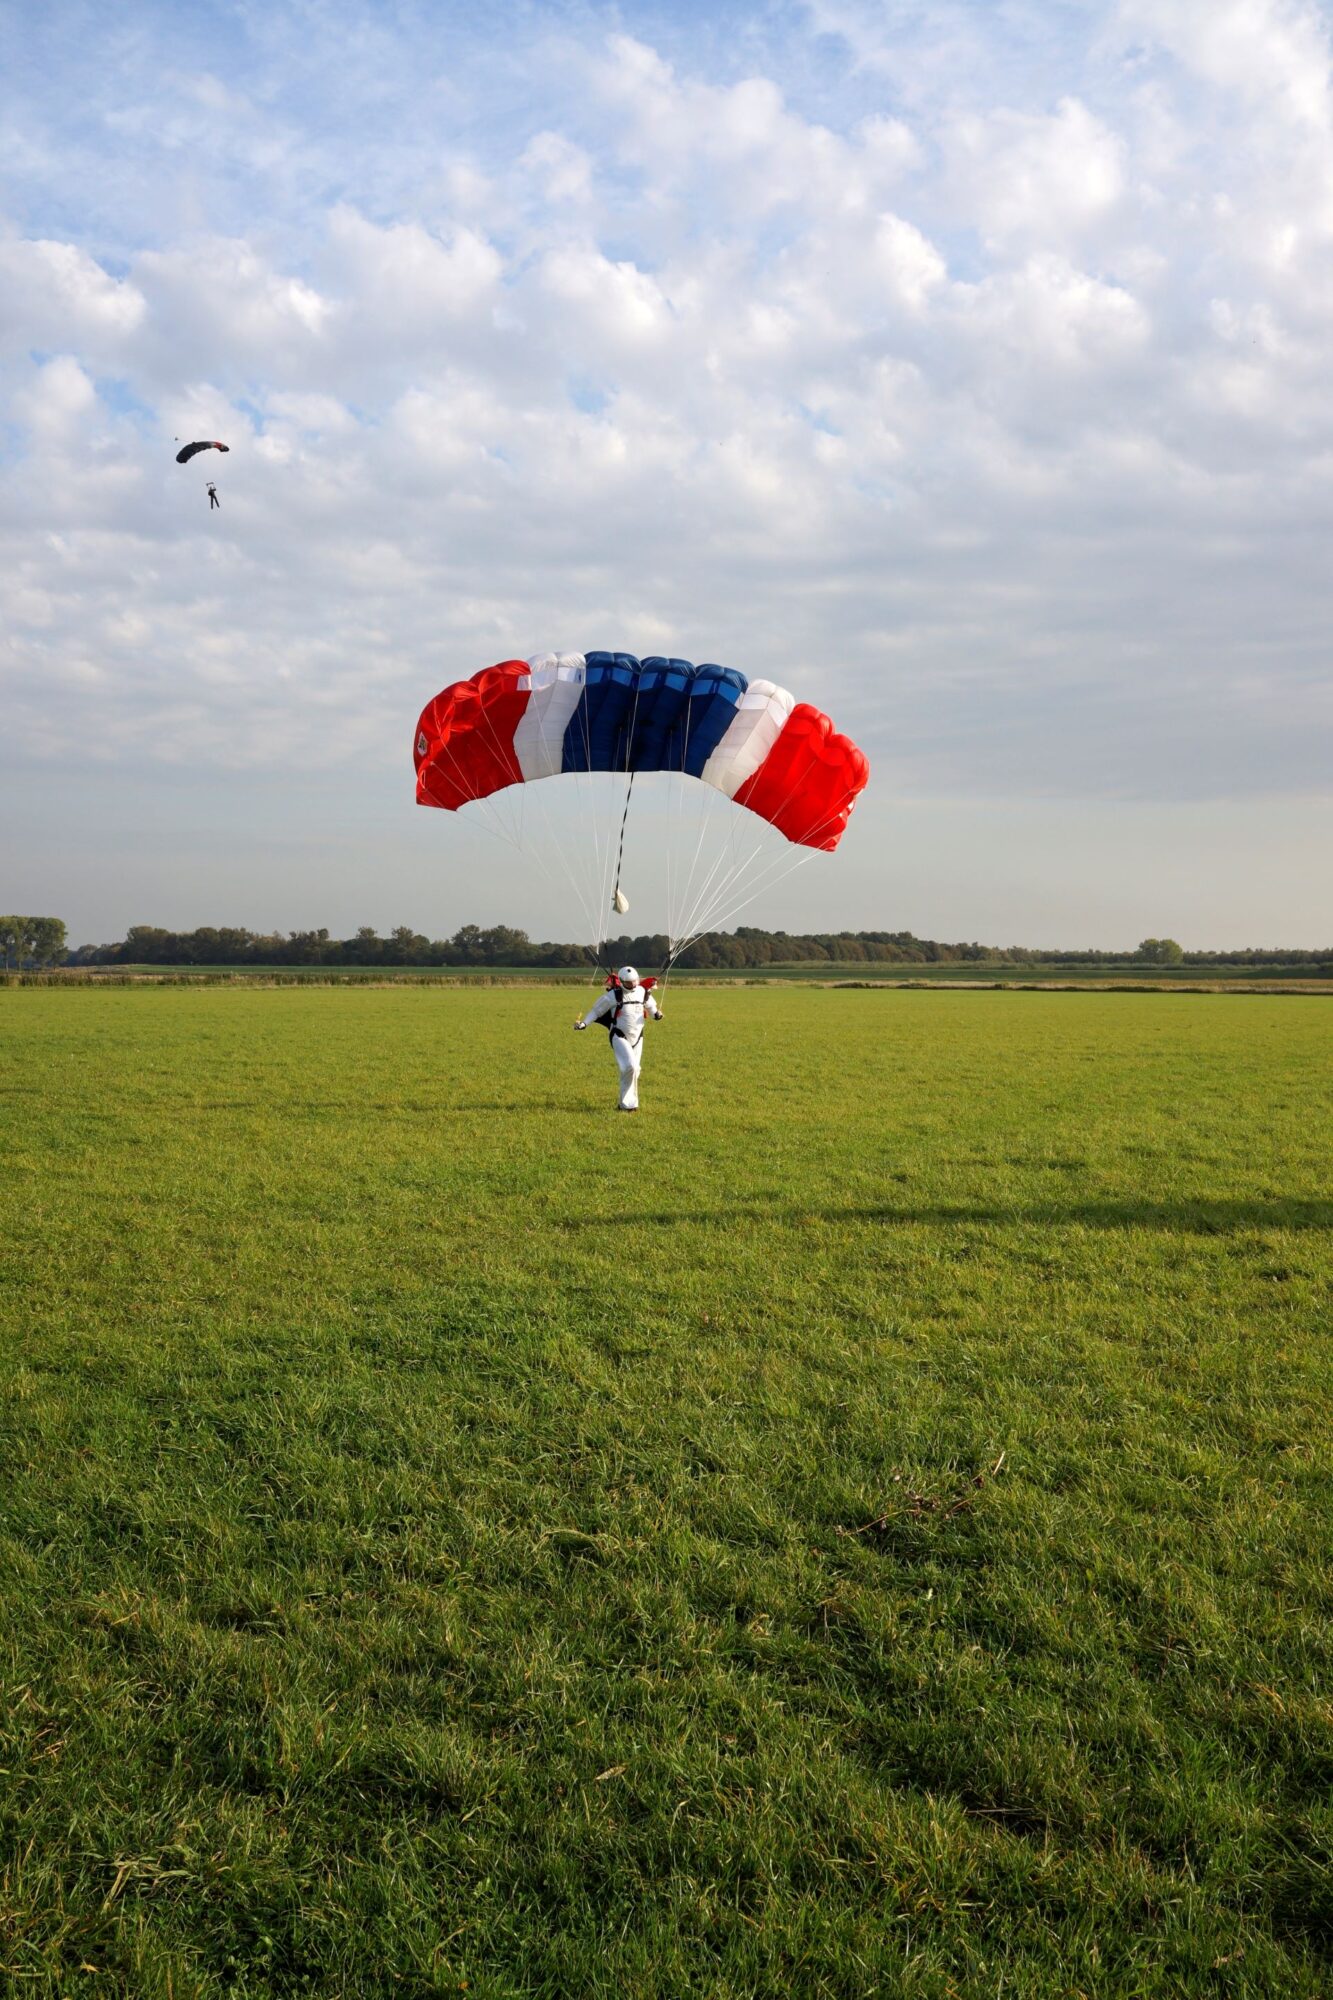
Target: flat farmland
<point>860,1527</point>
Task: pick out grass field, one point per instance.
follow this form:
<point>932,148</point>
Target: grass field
<point>862,1527</point>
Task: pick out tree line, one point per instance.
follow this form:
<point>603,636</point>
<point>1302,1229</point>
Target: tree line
<point>500,945</point>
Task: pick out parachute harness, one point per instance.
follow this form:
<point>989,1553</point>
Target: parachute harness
<point>614,985</point>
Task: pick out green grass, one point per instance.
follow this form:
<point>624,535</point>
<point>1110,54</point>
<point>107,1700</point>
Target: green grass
<point>860,1528</point>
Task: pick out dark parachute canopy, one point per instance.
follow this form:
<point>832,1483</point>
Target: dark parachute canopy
<point>188,451</point>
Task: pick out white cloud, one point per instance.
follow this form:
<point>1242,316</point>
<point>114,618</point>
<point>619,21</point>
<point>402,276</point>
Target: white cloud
<point>1269,66</point>
<point>407,277</point>
<point>910,263</point>
<point>1273,53</point>
<point>222,306</point>
<point>562,171</point>
<point>617,304</point>
<point>1035,180</point>
<point>1049,314</point>
<point>742,141</point>
<point>58,398</point>
<point>52,294</point>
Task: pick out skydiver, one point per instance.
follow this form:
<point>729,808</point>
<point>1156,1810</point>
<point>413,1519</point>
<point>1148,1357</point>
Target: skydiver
<point>213,500</point>
<point>624,1007</point>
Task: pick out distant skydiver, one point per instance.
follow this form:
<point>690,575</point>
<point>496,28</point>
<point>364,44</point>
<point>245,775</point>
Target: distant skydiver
<point>624,1007</point>
<point>213,500</point>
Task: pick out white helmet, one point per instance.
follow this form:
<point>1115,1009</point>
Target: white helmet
<point>628,976</point>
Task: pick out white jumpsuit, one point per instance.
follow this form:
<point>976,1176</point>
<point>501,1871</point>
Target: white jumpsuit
<point>627,1040</point>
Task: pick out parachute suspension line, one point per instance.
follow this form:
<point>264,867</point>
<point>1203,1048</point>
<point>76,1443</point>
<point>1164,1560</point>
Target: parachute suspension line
<point>776,867</point>
<point>672,911</point>
<point>679,915</point>
<point>620,851</point>
<point>488,820</point>
<point>681,792</point>
<point>732,895</point>
<point>698,893</point>
<point>676,943</point>
<point>720,912</point>
<point>724,890</point>
<point>601,861</point>
<point>587,794</point>
<point>507,826</point>
<point>721,884</point>
<point>505,809</point>
<point>719,900</point>
<point>578,884</point>
<point>721,881</point>
<point>705,894</point>
<point>701,894</point>
<point>595,896</point>
<point>677,906</point>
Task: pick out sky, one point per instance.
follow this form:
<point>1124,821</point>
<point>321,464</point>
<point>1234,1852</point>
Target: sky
<point>962,367</point>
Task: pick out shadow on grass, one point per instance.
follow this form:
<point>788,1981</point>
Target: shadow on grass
<point>1187,1218</point>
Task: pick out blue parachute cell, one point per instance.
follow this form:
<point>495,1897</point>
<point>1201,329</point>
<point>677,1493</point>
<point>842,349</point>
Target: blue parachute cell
<point>713,700</point>
<point>664,692</point>
<point>594,738</point>
<point>651,715</point>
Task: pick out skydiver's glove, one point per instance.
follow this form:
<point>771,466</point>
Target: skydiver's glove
<point>579,1026</point>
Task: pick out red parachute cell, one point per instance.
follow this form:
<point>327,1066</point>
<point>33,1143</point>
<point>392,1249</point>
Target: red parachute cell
<point>465,738</point>
<point>809,781</point>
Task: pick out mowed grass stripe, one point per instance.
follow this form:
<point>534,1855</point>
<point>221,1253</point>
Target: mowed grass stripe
<point>861,1527</point>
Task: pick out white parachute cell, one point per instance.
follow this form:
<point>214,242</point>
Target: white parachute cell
<point>756,726</point>
<point>556,681</point>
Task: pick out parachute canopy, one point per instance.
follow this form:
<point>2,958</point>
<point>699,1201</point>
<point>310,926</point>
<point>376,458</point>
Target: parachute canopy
<point>187,452</point>
<point>561,712</point>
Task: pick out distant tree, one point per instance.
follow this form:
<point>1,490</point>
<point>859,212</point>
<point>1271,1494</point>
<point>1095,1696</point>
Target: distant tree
<point>31,940</point>
<point>1160,951</point>
<point>306,947</point>
<point>501,945</point>
<point>146,944</point>
<point>202,946</point>
<point>46,940</point>
<point>406,946</point>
